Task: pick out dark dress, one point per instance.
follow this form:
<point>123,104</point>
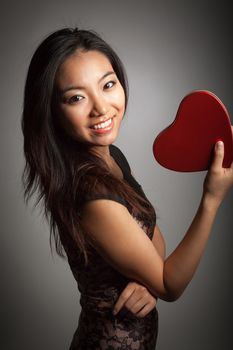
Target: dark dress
<point>100,285</point>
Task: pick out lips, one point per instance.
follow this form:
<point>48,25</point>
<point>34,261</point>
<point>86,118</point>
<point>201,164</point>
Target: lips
<point>99,123</point>
<point>103,130</point>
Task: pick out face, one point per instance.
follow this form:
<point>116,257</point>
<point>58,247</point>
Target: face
<point>92,100</point>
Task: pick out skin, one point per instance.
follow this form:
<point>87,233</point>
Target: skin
<point>101,96</point>
<point>126,247</point>
<point>119,238</point>
<point>92,98</point>
<point>136,297</point>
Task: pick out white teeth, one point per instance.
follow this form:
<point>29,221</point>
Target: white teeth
<point>102,125</point>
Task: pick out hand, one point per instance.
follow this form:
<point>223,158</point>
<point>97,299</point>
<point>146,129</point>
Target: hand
<point>137,299</point>
<point>218,180</point>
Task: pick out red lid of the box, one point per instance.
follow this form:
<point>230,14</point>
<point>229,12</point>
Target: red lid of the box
<point>187,144</point>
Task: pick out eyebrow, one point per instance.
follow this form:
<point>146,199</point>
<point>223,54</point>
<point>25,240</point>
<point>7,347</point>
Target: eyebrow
<point>74,87</point>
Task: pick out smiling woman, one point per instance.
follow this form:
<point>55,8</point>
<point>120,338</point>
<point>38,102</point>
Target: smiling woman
<point>75,99</point>
<point>95,106</point>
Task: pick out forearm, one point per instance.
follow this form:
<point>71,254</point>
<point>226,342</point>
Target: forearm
<point>181,265</point>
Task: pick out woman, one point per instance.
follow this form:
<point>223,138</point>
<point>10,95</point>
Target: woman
<point>75,99</point>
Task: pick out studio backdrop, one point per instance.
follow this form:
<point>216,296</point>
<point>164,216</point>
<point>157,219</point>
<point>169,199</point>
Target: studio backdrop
<point>169,48</point>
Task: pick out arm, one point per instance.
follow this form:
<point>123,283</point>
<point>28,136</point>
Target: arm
<point>159,243</point>
<point>181,265</point>
<point>121,241</point>
<point>136,297</point>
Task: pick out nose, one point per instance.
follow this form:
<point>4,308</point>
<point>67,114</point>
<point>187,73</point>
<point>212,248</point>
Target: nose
<point>100,107</point>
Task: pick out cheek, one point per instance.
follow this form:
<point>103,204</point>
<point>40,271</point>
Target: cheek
<point>69,120</point>
<point>120,99</point>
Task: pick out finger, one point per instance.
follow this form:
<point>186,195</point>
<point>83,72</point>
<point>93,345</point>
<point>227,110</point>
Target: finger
<point>135,298</point>
<point>139,295</point>
<point>135,305</point>
<point>218,156</point>
<point>130,295</point>
<point>125,295</point>
<point>145,310</point>
<point>139,304</point>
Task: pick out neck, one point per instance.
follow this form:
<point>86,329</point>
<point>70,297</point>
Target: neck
<point>103,152</point>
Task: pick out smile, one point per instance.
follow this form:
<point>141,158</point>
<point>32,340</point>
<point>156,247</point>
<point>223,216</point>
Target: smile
<point>103,128</point>
<point>102,125</point>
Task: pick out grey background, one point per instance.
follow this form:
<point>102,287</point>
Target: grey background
<point>169,48</point>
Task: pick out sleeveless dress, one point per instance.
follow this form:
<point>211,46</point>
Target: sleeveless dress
<point>100,285</point>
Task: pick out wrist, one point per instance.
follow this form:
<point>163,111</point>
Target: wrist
<point>209,202</point>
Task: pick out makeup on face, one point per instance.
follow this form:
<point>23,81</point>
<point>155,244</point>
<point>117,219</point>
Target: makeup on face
<point>92,102</point>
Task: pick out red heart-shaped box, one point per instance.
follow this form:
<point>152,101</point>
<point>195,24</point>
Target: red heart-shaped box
<point>187,144</point>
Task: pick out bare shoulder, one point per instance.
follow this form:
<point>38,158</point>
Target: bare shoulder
<point>122,242</point>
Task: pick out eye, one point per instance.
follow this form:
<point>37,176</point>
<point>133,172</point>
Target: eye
<point>75,98</point>
<point>109,84</point>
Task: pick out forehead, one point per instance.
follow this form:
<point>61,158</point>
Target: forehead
<point>82,68</point>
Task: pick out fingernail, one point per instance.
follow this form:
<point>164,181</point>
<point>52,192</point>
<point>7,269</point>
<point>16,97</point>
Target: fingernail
<point>220,144</point>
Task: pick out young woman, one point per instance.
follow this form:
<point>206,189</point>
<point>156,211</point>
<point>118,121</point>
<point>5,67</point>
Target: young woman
<point>75,99</point>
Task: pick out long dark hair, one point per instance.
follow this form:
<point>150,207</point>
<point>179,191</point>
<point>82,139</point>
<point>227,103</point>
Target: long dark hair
<point>58,168</point>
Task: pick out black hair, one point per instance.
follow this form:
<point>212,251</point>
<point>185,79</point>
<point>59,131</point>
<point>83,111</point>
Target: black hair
<point>55,164</point>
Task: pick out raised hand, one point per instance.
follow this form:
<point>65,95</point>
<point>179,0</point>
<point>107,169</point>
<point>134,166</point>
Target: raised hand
<point>219,180</point>
<point>137,299</point>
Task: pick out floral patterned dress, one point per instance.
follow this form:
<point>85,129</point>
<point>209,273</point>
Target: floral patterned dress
<point>100,285</point>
